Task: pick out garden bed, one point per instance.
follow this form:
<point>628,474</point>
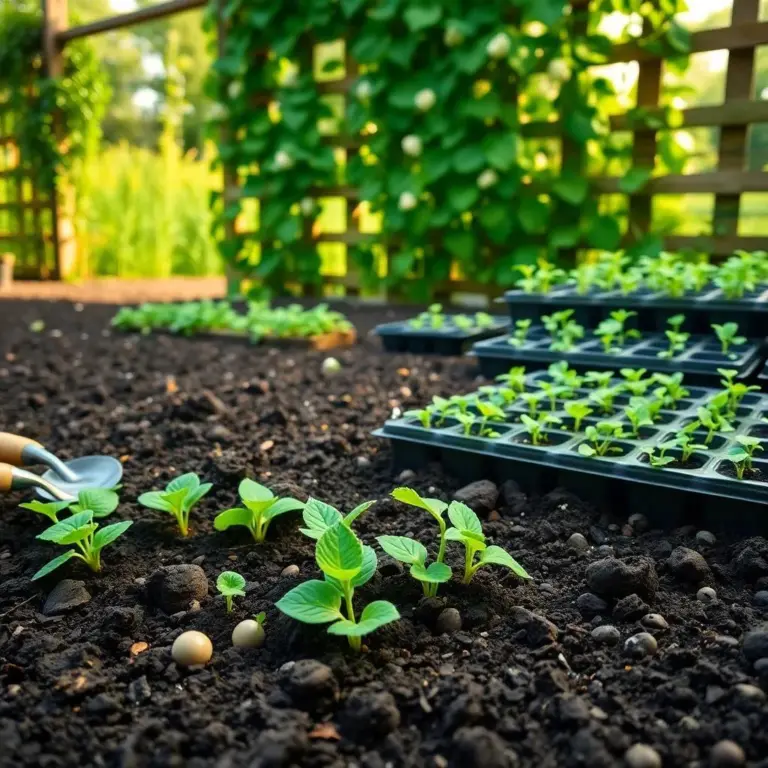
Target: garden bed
<point>508,689</point>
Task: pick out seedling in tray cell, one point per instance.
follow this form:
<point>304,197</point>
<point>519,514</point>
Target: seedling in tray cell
<point>685,442</point>
<point>501,396</point>
<point>260,508</point>
<point>468,530</point>
<point>728,336</point>
<point>520,334</point>
<point>677,338</point>
<point>514,379</point>
<point>601,438</point>
<point>613,332</point>
<point>711,420</point>
<point>578,412</point>
<point>533,402</point>
<point>566,377</point>
<point>634,383</point>
<point>553,392</point>
<point>671,391</point>
<point>736,391</point>
<point>178,498</point>
<point>741,455</point>
<point>638,414</point>
<point>479,321</point>
<point>438,412</point>
<point>80,530</point>
<point>599,379</point>
<point>584,277</point>
<point>540,280</point>
<point>604,398</point>
<point>563,331</point>
<point>231,585</point>
<point>433,318</point>
<point>346,564</point>
<point>536,428</point>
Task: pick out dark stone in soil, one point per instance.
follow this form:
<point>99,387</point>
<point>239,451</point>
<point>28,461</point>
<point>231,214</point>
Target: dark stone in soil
<point>755,643</point>
<point>614,578</point>
<point>66,596</point>
<point>590,605</point>
<point>369,715</point>
<point>477,747</point>
<point>512,496</point>
<point>173,587</point>
<point>532,629</point>
<point>750,560</point>
<point>448,621</point>
<point>689,565</point>
<point>480,496</point>
<point>310,685</point>
<point>630,608</point>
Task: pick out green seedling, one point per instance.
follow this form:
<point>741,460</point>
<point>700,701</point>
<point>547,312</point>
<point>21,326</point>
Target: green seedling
<point>728,335</point>
<point>613,332</point>
<point>346,564</point>
<point>178,498</point>
<point>483,320</point>
<point>101,501</point>
<point>540,280</point>
<point>439,410</point>
<point>467,529</point>
<point>414,553</point>
<point>601,438</point>
<point>699,274</point>
<point>520,334</point>
<point>685,442</point>
<point>514,379</point>
<point>634,382</point>
<point>533,402</point>
<point>584,277</point>
<point>432,318</point>
<point>231,585</point>
<point>260,508</point>
<point>460,404</point>
<point>488,412</point>
<point>563,331</point>
<point>84,533</point>
<point>677,338</point>
<point>741,455</point>
<point>463,323</point>
<point>553,392</point>
<point>578,412</point>
<point>736,391</point>
<point>467,421</point>
<point>436,508</point>
<point>711,420</point>
<point>661,460</point>
<point>424,416</point>
<point>604,398</point>
<point>671,391</point>
<point>319,517</point>
<point>630,281</point>
<point>638,414</point>
<point>566,377</point>
<point>536,428</point>
<point>599,379</point>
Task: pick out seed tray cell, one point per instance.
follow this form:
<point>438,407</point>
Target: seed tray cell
<point>705,489</point>
<point>449,341</point>
<point>653,309</point>
<point>699,361</point>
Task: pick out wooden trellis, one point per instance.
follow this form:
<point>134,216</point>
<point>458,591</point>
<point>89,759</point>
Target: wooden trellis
<point>734,117</point>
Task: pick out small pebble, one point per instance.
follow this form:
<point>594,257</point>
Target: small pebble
<point>545,586</point>
<point>606,550</point>
<point>760,598</point>
<point>363,462</point>
<point>706,538</point>
<point>654,621</point>
<point>727,754</point>
<point>606,634</point>
<point>406,476</point>
<point>639,522</point>
<point>331,366</point>
<point>640,645</point>
<point>706,595</point>
<point>642,756</point>
<point>578,543</point>
<point>248,634</point>
<point>290,570</point>
<point>748,691</point>
<point>191,648</point>
<point>448,621</point>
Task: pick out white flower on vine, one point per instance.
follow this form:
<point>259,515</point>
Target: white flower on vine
<point>363,91</point>
<point>307,206</point>
<point>425,99</point>
<point>487,178</point>
<point>407,201</point>
<point>499,46</point>
<point>411,145</point>
<point>453,36</point>
<point>558,69</point>
<point>283,161</point>
<point>234,89</point>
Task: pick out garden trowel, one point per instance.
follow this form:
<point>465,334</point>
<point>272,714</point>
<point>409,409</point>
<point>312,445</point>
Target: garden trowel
<point>63,480</point>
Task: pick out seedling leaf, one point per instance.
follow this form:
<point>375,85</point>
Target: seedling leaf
<point>252,491</point>
<point>188,482</point>
<point>339,553</point>
<point>374,615</point>
<point>370,563</point>
<point>437,573</point>
<point>231,583</point>
<point>281,506</point>
<point>494,555</point>
<point>50,509</point>
<point>71,530</point>
<point>101,501</point>
<point>464,518</point>
<point>108,534</point>
<point>54,564</point>
<point>319,517</point>
<point>155,500</point>
<point>230,517</point>
<point>435,507</point>
<point>194,496</point>
<point>357,511</point>
<point>313,602</point>
<point>403,549</point>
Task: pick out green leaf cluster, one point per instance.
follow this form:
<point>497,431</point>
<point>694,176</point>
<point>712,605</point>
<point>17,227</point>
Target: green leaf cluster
<point>101,501</point>
<point>178,498</point>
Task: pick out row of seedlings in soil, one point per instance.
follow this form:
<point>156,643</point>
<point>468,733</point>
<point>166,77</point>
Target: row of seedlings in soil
<point>437,333</point>
<point>321,326</point>
<point>635,426</point>
<point>560,336</point>
<point>346,564</point>
<point>655,288</point>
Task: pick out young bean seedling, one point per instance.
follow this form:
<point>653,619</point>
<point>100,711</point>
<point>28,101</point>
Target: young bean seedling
<point>677,338</point>
<point>552,392</point>
<point>467,529</point>
<point>563,330</point>
<point>346,564</point>
<point>178,498</point>
<point>728,336</point>
<point>101,501</point>
<point>638,414</point>
<point>260,508</point>
<point>736,391</point>
<point>599,379</point>
<point>578,412</point>
<point>566,377</point>
<point>711,420</point>
<point>613,332</point>
<point>604,398</point>
<point>671,391</point>
<point>514,379</point>
<point>741,455</point>
<point>661,460</point>
<point>600,439</point>
<point>536,428</point>
<point>685,442</point>
<point>634,383</point>
<point>84,533</point>
<point>520,334</point>
<point>231,585</point>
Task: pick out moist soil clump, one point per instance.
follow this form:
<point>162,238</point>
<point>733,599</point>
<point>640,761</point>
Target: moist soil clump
<point>519,680</point>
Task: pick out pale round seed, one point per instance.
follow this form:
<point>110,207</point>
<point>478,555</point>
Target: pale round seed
<point>248,634</point>
<point>192,648</point>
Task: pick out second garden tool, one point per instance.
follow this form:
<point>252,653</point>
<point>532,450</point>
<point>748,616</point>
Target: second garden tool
<point>16,479</point>
<point>70,476</point>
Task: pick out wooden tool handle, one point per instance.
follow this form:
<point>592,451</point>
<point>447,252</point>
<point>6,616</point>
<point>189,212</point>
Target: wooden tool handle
<point>12,446</point>
<point>6,477</point>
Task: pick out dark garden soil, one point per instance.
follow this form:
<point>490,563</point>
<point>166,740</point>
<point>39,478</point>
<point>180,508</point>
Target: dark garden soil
<point>524,682</point>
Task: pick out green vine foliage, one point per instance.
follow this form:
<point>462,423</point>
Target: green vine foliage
<point>445,94</point>
<point>55,121</point>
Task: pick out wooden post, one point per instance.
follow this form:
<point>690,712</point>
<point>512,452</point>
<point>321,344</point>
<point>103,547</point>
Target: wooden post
<point>55,20</point>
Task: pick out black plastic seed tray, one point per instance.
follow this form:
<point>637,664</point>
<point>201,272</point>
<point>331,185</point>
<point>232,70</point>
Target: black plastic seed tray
<point>703,490</point>
<point>699,361</point>
<point>653,309</point>
<point>450,340</point>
